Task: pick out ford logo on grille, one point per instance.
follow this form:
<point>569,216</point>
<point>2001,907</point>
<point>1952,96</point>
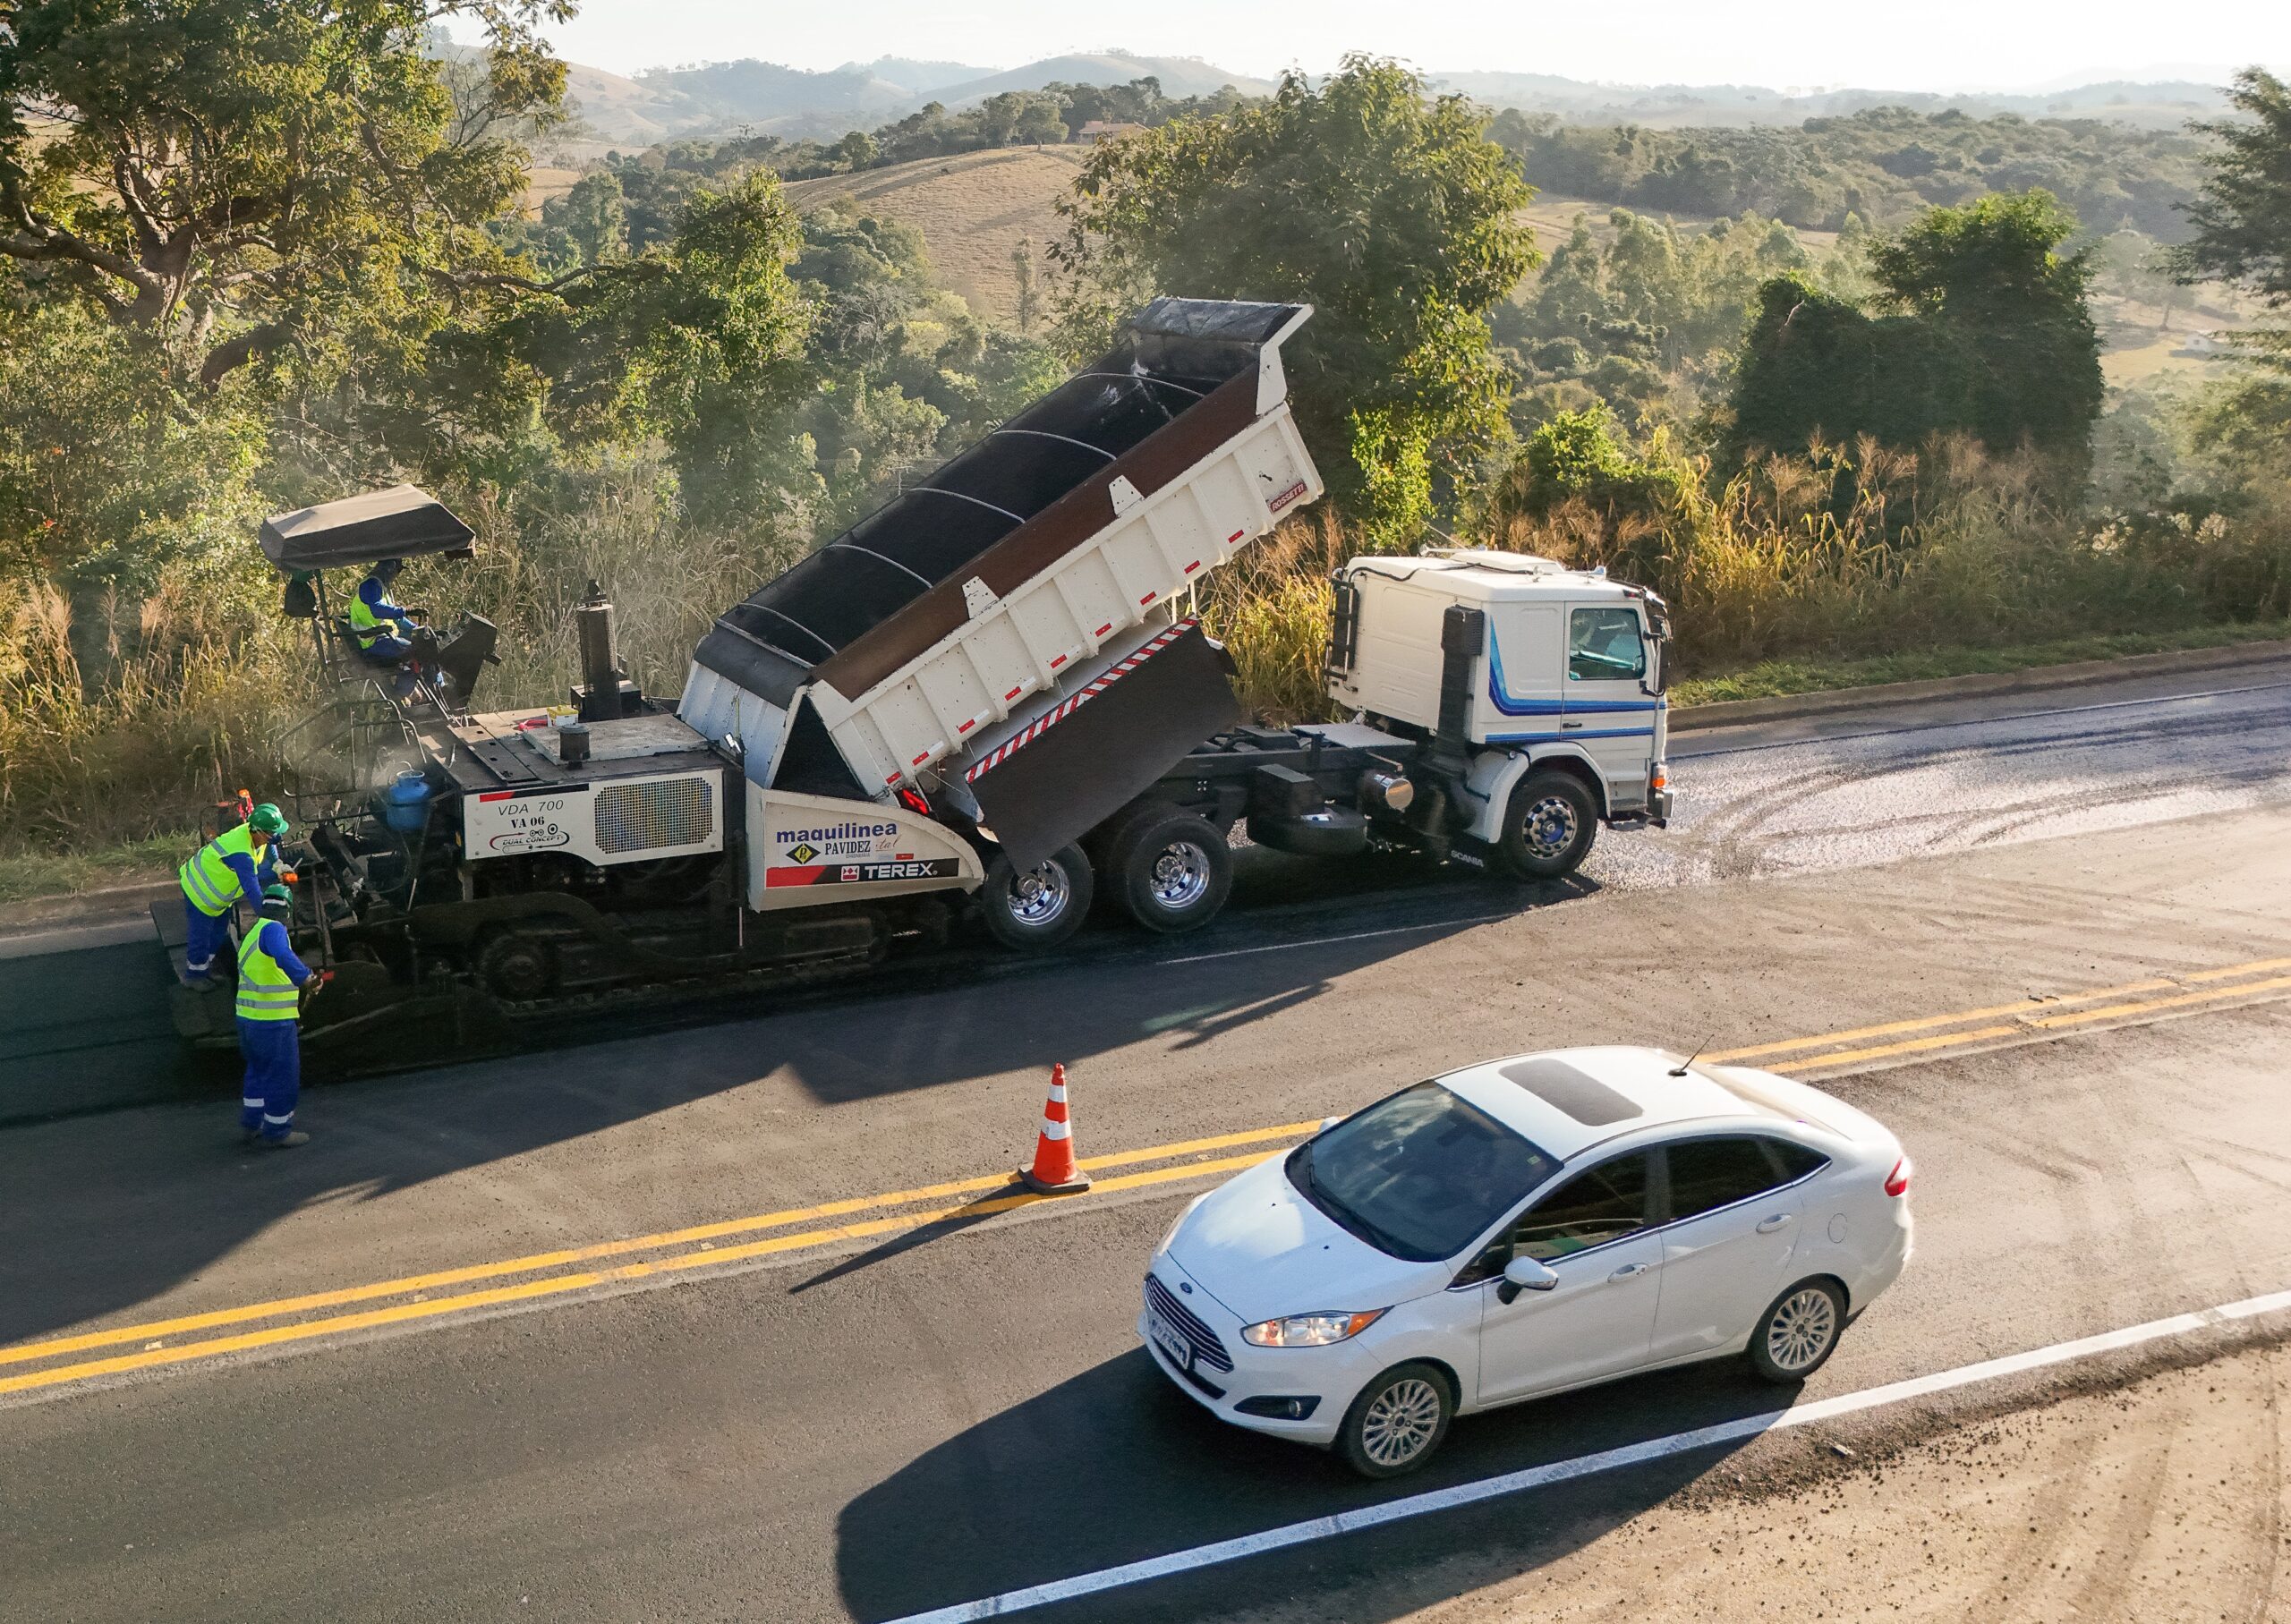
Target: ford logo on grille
<point>1183,1287</point>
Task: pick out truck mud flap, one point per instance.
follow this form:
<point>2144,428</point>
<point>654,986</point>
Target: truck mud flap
<point>1123,735</point>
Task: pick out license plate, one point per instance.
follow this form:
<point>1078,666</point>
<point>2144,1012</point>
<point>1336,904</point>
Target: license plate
<point>1171,1341</point>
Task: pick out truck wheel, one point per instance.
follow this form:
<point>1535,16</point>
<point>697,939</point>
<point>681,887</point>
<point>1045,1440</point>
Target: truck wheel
<point>1548,827</point>
<point>1174,872</point>
<point>1039,908</point>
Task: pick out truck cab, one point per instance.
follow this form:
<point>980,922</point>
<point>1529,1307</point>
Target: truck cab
<point>1521,663</point>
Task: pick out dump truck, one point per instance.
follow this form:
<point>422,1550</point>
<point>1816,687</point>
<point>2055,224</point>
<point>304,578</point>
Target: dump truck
<point>982,707</point>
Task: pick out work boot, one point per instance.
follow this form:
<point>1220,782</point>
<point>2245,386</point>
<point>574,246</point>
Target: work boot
<point>250,1136</point>
<point>285,1142</point>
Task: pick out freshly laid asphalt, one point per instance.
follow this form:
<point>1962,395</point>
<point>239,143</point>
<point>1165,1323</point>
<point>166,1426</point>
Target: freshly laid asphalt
<point>876,1429</point>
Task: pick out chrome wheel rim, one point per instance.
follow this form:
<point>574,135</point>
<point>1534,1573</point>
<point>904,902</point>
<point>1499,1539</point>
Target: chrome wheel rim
<point>1399,1422</point>
<point>1039,895</point>
<point>1801,1330</point>
<point>1550,826</point>
<point>1181,875</point>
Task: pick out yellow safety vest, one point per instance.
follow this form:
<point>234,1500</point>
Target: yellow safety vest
<point>265,992</point>
<point>208,880</point>
<point>365,625</point>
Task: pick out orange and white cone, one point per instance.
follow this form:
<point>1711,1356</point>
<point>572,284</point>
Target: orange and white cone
<point>1055,1172</point>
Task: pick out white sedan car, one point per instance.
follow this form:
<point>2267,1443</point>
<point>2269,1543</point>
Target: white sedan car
<point>1519,1229</point>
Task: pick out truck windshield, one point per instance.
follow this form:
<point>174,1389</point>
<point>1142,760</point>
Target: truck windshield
<point>1420,1175</point>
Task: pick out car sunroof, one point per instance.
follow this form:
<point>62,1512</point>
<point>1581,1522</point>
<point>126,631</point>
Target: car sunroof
<point>1581,1097</point>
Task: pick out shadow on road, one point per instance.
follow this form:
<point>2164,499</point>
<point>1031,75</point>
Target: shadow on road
<point>1016,1500</point>
<point>106,1210</point>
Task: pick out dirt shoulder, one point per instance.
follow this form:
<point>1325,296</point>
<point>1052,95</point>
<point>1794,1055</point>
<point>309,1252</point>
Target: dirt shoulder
<point>2159,1501</point>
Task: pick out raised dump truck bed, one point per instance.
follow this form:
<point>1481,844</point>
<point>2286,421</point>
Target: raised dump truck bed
<point>953,617</point>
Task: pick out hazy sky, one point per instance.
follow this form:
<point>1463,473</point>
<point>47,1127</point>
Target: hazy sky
<point>1940,45</point>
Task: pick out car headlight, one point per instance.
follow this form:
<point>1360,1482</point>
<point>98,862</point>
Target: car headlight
<point>1310,1330</point>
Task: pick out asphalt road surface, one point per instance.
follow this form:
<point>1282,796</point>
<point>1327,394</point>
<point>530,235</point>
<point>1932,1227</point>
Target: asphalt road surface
<point>662,1326</point>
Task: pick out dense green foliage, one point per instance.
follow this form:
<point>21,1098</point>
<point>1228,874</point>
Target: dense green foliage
<point>2242,220</point>
<point>1980,328</point>
<point>1884,164</point>
<point>1390,212</point>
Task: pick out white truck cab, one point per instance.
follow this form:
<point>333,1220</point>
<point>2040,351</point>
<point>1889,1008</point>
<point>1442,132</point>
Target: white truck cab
<point>1523,663</point>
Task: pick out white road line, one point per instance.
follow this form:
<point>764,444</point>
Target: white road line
<point>1971,721</point>
<point>1323,941</point>
<point>1587,1466</point>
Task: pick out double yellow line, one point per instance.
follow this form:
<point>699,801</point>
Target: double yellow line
<point>673,1252</point>
<point>2028,1017</point>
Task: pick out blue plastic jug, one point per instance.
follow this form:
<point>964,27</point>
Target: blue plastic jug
<point>406,805</point>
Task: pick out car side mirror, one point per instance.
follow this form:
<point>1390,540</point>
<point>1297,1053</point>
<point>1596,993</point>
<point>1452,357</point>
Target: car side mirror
<point>1524,1274</point>
<point>1327,1123</point>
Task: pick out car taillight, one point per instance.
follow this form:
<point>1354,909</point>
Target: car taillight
<point>1658,779</point>
<point>1897,1181</point>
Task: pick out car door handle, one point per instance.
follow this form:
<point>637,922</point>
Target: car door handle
<point>1778,1222</point>
<point>1628,1271</point>
<point>1565,726</point>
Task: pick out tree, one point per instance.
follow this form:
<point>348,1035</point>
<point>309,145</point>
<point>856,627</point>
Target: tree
<point>1981,325</point>
<point>595,216</point>
<point>855,150</point>
<point>1387,209</point>
<point>222,176</point>
<point>2242,218</point>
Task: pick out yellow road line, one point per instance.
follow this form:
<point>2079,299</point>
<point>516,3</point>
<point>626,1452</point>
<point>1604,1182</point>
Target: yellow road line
<point>699,1250</point>
<point>558,1285</point>
<point>1927,1021</point>
<point>2022,1006</point>
<point>537,1260</point>
<point>2051,1022</point>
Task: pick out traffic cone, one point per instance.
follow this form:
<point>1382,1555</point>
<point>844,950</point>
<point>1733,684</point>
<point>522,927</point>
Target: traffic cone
<point>1055,1171</point>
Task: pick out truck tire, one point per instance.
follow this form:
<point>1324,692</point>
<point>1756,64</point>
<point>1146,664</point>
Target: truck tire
<point>1040,908</point>
<point>1548,826</point>
<point>1172,872</point>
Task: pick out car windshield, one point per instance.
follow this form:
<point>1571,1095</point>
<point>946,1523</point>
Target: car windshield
<point>1420,1175</point>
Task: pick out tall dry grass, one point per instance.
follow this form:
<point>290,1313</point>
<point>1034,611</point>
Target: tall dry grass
<point>198,689</point>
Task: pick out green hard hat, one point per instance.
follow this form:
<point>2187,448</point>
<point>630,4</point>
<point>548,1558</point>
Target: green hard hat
<point>268,819</point>
<point>277,896</point>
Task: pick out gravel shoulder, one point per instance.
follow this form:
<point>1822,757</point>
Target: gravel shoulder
<point>2163,1500</point>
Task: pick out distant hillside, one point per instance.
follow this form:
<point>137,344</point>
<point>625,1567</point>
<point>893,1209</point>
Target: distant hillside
<point>1181,77</point>
<point>920,77</point>
<point>2165,105</point>
<point>973,210</point>
<point>720,98</point>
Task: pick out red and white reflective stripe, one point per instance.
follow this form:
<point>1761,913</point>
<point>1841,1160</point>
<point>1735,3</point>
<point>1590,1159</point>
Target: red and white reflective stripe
<point>1055,1124</point>
<point>1067,707</point>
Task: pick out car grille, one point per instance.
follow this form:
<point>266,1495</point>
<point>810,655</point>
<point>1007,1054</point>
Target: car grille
<point>1206,1349</point>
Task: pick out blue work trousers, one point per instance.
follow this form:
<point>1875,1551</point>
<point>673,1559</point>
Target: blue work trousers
<point>209,934</point>
<point>273,1055</point>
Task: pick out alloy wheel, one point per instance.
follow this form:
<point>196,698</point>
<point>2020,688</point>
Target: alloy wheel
<point>1039,895</point>
<point>1801,1330</point>
<point>1400,1422</point>
<point>1550,826</point>
<point>1181,875</point>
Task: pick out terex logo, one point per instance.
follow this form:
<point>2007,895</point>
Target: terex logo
<point>803,854</point>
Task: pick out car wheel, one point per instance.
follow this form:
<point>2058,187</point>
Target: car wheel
<point>1397,1421</point>
<point>1797,1334</point>
<point>1039,908</point>
<point>1175,872</point>
<point>1548,826</point>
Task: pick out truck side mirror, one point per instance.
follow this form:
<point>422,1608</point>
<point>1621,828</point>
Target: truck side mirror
<point>1656,679</point>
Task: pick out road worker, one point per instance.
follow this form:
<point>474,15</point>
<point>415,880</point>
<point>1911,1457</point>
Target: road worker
<point>382,628</point>
<point>271,983</point>
<point>240,861</point>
